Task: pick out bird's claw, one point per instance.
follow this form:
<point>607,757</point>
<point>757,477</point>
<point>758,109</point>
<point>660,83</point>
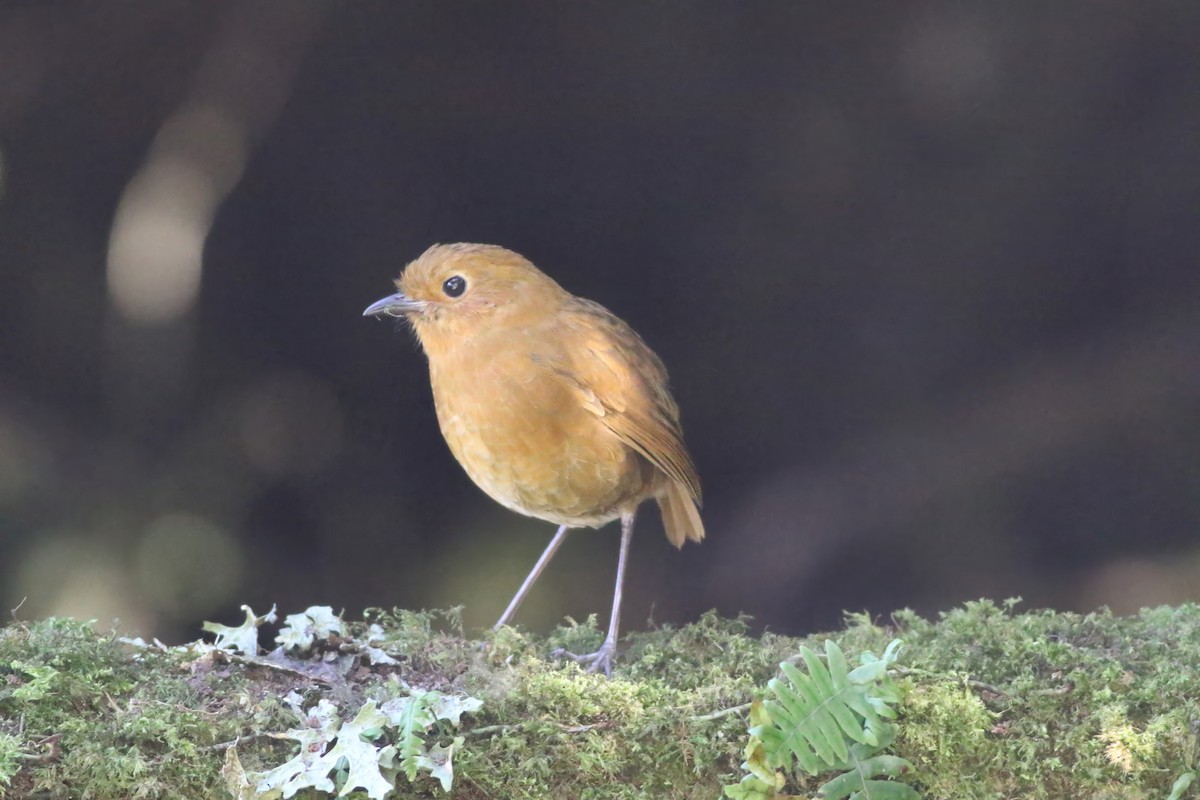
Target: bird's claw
<point>600,660</point>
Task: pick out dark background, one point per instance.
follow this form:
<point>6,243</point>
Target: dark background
<point>925,276</point>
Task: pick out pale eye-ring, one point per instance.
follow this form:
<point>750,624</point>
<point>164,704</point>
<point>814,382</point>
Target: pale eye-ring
<point>454,286</point>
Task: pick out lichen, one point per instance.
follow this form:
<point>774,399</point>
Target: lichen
<point>995,704</point>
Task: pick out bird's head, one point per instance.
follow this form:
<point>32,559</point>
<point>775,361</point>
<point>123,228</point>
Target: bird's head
<point>454,291</point>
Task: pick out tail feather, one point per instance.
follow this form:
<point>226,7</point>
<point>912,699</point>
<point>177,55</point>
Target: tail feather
<point>681,518</point>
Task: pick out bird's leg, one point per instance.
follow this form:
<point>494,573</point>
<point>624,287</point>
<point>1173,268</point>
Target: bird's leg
<point>602,659</point>
<point>547,554</point>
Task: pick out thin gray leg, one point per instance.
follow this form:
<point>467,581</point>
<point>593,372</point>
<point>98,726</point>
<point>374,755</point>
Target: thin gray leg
<point>602,659</point>
<point>547,554</point>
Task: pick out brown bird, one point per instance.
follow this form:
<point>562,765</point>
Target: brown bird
<point>555,407</point>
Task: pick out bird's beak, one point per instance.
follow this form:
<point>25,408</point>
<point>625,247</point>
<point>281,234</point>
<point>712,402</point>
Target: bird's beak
<point>395,305</point>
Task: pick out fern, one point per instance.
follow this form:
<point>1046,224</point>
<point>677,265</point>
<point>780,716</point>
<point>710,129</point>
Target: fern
<point>830,719</point>
<point>412,718</point>
<point>1178,788</point>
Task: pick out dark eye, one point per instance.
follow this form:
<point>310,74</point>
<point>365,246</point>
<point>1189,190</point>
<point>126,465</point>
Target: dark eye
<point>454,286</point>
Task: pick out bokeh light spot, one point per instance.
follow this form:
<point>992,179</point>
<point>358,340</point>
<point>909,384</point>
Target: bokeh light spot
<point>71,575</point>
<point>155,252</point>
<point>187,566</point>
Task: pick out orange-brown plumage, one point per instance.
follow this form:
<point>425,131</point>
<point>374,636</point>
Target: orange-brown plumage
<point>554,406</point>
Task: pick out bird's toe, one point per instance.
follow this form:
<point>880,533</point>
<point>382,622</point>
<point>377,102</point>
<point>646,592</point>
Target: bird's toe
<point>599,661</point>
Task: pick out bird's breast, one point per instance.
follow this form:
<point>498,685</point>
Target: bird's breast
<point>522,436</point>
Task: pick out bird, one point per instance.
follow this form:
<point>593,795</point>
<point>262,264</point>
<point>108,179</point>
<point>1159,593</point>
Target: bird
<point>552,404</point>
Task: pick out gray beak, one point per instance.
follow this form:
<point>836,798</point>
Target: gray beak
<point>396,305</point>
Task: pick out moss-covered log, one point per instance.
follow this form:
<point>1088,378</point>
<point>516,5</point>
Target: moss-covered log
<point>995,704</point>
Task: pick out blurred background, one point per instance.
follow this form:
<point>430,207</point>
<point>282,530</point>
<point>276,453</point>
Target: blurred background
<point>925,276</point>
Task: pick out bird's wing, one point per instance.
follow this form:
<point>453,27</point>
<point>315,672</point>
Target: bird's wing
<point>619,379</point>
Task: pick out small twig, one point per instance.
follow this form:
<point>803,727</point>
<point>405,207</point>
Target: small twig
<point>910,671</point>
<point>586,728</point>
<point>43,758</point>
<point>487,730</point>
<point>13,612</point>
<point>986,687</point>
<point>235,742</point>
<point>974,684</point>
<point>724,712</point>
<point>260,661</point>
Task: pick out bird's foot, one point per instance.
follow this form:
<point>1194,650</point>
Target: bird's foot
<point>601,660</point>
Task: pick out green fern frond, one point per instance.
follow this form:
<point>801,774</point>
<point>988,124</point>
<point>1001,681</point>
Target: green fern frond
<point>411,717</point>
<point>831,719</point>
<point>816,717</point>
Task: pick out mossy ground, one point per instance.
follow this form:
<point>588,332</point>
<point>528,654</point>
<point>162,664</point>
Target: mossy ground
<point>996,705</point>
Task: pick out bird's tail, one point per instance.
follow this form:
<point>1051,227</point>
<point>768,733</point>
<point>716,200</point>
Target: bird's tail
<point>681,518</point>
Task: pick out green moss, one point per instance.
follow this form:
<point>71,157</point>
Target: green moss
<point>95,719</point>
<point>10,759</point>
<point>995,704</point>
<point>1067,693</point>
<point>944,731</point>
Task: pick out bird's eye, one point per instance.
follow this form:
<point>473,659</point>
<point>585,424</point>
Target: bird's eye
<point>454,286</point>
